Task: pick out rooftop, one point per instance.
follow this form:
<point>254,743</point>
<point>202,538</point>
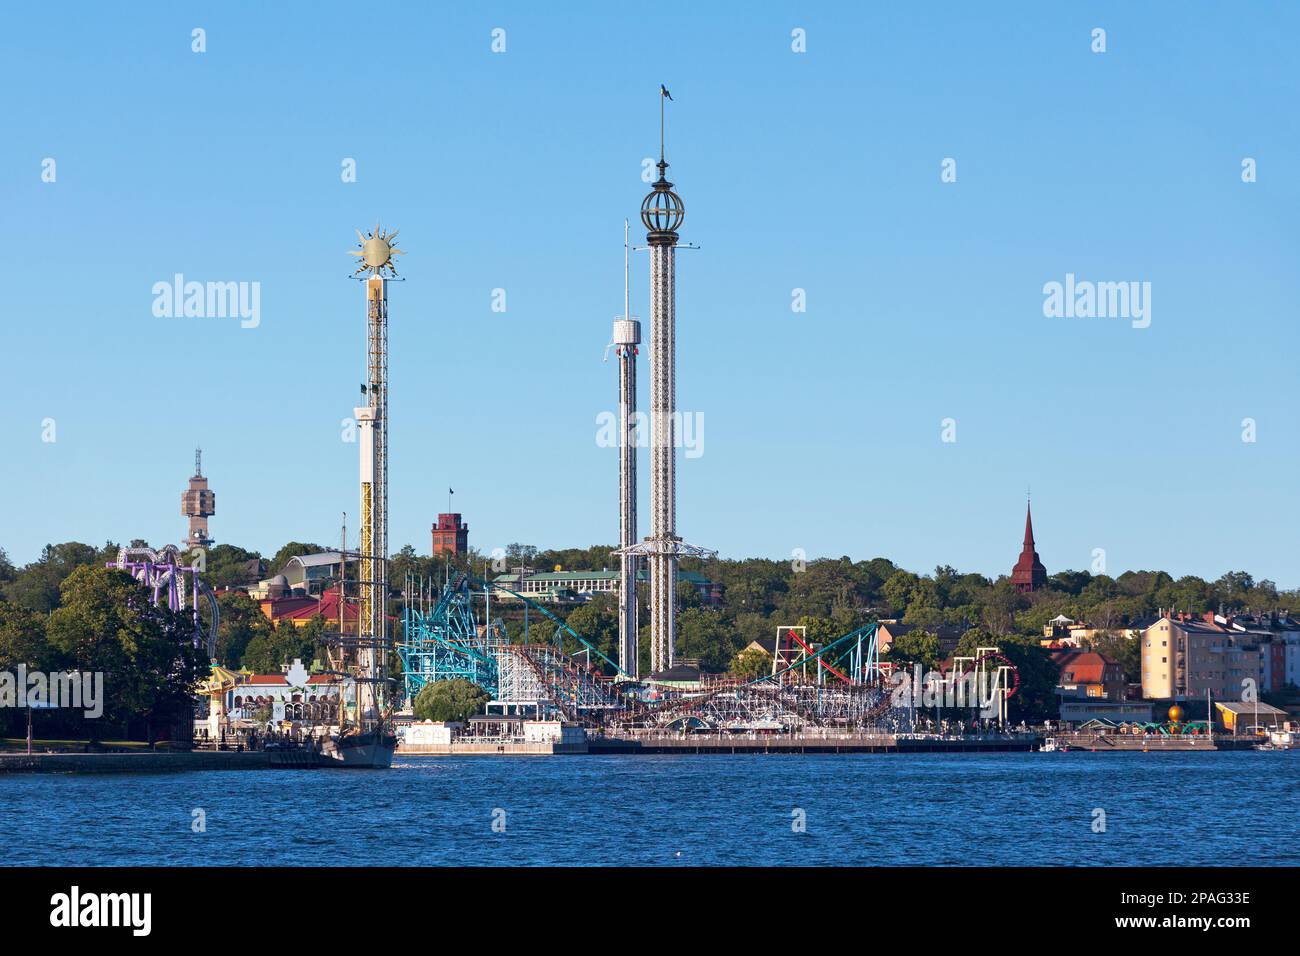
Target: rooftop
<point>568,577</point>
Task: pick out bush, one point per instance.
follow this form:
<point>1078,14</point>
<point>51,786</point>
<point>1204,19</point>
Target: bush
<point>456,699</point>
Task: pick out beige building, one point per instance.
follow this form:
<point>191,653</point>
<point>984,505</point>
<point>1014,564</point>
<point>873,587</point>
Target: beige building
<point>1184,657</point>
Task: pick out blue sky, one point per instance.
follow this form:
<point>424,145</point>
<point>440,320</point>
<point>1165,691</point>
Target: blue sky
<point>515,170</point>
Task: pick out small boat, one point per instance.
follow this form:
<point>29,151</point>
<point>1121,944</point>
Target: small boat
<point>1051,746</point>
<point>1278,740</point>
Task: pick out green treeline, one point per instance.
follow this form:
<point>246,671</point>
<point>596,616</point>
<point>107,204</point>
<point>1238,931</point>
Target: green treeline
<point>66,611</point>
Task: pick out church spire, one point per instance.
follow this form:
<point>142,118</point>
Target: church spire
<point>1028,574</point>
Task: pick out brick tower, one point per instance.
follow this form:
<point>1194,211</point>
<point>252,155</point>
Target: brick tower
<point>450,535</point>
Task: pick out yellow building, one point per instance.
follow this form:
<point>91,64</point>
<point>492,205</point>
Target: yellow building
<point>1184,656</point>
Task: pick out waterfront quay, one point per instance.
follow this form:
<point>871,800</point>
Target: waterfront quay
<point>1153,743</point>
<point>724,743</point>
<point>811,743</point>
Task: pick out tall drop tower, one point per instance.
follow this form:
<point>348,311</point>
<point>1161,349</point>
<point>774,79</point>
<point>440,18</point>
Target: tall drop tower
<point>662,213</point>
<point>198,504</point>
<point>627,336</point>
<point>376,252</point>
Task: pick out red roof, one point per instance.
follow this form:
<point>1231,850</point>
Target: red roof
<point>1082,667</point>
<point>279,679</point>
<point>305,608</point>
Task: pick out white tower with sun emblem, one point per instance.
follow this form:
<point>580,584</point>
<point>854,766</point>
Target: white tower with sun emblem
<point>376,251</point>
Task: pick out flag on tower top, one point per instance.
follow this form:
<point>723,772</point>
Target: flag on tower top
<point>663,91</point>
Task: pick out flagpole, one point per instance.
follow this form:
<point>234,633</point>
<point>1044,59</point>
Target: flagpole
<point>662,136</point>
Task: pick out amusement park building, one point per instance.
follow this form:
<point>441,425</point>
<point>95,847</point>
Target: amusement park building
<point>237,696</point>
<point>299,609</point>
<point>561,586</point>
<point>310,573</point>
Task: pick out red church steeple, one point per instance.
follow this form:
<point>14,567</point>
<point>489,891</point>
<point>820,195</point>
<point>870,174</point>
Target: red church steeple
<point>1029,573</point>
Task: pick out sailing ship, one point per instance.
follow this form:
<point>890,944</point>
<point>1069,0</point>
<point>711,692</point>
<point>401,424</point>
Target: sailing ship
<point>364,736</point>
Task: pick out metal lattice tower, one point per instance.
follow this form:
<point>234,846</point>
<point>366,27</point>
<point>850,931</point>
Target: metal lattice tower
<point>377,250</point>
<point>627,336</point>
<point>662,213</point>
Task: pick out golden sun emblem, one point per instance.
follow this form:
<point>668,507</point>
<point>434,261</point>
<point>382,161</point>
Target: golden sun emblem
<point>376,250</point>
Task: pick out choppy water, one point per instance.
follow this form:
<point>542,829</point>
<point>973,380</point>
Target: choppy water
<point>872,809</point>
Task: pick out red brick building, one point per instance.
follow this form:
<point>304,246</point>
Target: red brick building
<point>450,535</point>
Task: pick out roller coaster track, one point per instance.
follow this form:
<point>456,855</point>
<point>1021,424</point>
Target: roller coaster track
<point>162,572</point>
<point>556,619</point>
<point>575,690</point>
<point>687,704</point>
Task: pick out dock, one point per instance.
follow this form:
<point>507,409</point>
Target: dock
<point>814,743</point>
<point>1154,743</point>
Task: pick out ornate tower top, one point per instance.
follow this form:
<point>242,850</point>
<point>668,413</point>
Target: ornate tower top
<point>376,249</point>
<point>663,211</point>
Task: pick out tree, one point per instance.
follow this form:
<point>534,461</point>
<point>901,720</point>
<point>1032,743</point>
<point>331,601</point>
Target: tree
<point>7,570</point>
<point>226,566</point>
<point>22,638</point>
<point>36,586</point>
<point>751,662</point>
<point>1125,651</point>
<point>916,647</point>
<point>293,549</point>
<point>456,699</point>
<point>106,625</point>
<point>899,589</point>
<point>241,621</point>
<point>1071,582</point>
<point>702,634</point>
<point>22,641</point>
<point>1000,606</point>
<point>597,621</point>
<point>269,651</point>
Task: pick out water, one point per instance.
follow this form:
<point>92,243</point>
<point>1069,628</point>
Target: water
<point>865,809</point>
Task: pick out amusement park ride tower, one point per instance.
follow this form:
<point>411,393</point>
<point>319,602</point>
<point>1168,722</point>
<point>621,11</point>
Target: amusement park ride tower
<point>376,254</point>
<point>662,213</point>
<point>627,336</point>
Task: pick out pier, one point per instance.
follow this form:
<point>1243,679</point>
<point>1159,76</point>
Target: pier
<point>810,743</point>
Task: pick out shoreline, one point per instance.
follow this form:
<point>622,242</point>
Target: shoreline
<point>694,744</point>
